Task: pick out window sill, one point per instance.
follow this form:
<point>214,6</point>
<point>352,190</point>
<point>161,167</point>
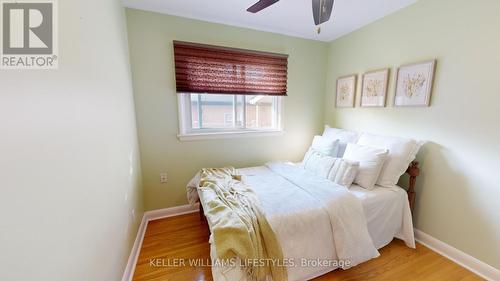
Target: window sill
<point>228,135</point>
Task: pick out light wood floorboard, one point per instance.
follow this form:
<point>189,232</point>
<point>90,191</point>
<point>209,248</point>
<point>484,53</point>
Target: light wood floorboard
<point>186,238</point>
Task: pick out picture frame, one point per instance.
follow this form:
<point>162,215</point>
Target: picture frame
<point>346,91</point>
<point>374,88</point>
<point>414,83</point>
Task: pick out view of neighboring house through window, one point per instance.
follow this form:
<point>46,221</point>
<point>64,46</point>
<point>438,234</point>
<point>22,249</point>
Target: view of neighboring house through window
<point>212,112</point>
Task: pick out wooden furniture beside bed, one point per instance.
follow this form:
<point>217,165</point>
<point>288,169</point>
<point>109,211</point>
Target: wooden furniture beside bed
<point>413,171</point>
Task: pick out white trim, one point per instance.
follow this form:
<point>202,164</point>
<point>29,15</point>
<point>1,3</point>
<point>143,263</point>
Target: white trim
<point>128,273</point>
<point>171,212</point>
<point>134,253</point>
<point>229,135</point>
<point>182,111</point>
<point>480,268</point>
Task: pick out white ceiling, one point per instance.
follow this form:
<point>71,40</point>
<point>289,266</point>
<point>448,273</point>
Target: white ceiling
<point>290,17</point>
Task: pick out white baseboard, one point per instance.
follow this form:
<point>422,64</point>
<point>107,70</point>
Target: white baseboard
<point>134,253</point>
<point>147,217</point>
<point>480,268</point>
<point>170,212</point>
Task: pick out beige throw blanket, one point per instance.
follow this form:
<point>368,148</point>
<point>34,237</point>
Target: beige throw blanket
<point>238,224</point>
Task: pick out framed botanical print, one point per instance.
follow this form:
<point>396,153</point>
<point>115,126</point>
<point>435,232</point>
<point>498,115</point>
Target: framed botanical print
<point>346,90</point>
<point>374,88</point>
<point>414,84</point>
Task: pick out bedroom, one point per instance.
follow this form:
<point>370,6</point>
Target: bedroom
<point>98,148</point>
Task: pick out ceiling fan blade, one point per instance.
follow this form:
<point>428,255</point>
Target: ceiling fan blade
<point>262,4</point>
<point>322,9</point>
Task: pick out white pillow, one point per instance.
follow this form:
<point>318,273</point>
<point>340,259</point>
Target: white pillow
<point>370,161</point>
<point>344,137</point>
<point>318,163</point>
<point>338,170</point>
<point>401,153</point>
<point>326,146</point>
<point>344,172</point>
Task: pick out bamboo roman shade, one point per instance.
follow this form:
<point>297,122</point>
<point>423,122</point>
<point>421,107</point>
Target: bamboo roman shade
<point>219,70</point>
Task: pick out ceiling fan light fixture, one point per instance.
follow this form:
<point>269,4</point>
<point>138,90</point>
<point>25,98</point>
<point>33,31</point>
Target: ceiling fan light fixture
<point>322,10</point>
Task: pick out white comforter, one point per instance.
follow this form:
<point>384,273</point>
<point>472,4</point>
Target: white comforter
<point>314,220</point>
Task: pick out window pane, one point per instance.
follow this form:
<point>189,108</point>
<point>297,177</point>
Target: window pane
<point>260,112</point>
<point>217,111</point>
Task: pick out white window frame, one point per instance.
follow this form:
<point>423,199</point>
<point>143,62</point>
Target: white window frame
<point>186,133</point>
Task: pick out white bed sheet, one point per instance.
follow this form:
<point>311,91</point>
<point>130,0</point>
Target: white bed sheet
<point>387,215</point>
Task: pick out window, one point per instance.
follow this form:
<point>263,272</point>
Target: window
<point>228,91</point>
<point>215,114</point>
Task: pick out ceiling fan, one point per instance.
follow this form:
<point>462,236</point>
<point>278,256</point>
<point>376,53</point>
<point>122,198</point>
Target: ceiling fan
<point>322,9</point>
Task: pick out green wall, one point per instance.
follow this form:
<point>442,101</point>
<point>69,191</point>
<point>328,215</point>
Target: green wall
<point>150,40</point>
<point>458,192</point>
<point>70,180</point>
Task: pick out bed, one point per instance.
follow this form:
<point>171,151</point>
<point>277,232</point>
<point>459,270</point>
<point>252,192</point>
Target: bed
<point>318,223</point>
<point>387,212</point>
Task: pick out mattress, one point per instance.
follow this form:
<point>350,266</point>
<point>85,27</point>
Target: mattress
<point>386,211</point>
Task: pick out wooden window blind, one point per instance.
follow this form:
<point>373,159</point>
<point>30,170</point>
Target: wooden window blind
<point>201,68</point>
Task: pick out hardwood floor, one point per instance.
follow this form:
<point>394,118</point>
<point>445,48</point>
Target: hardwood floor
<point>183,238</point>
